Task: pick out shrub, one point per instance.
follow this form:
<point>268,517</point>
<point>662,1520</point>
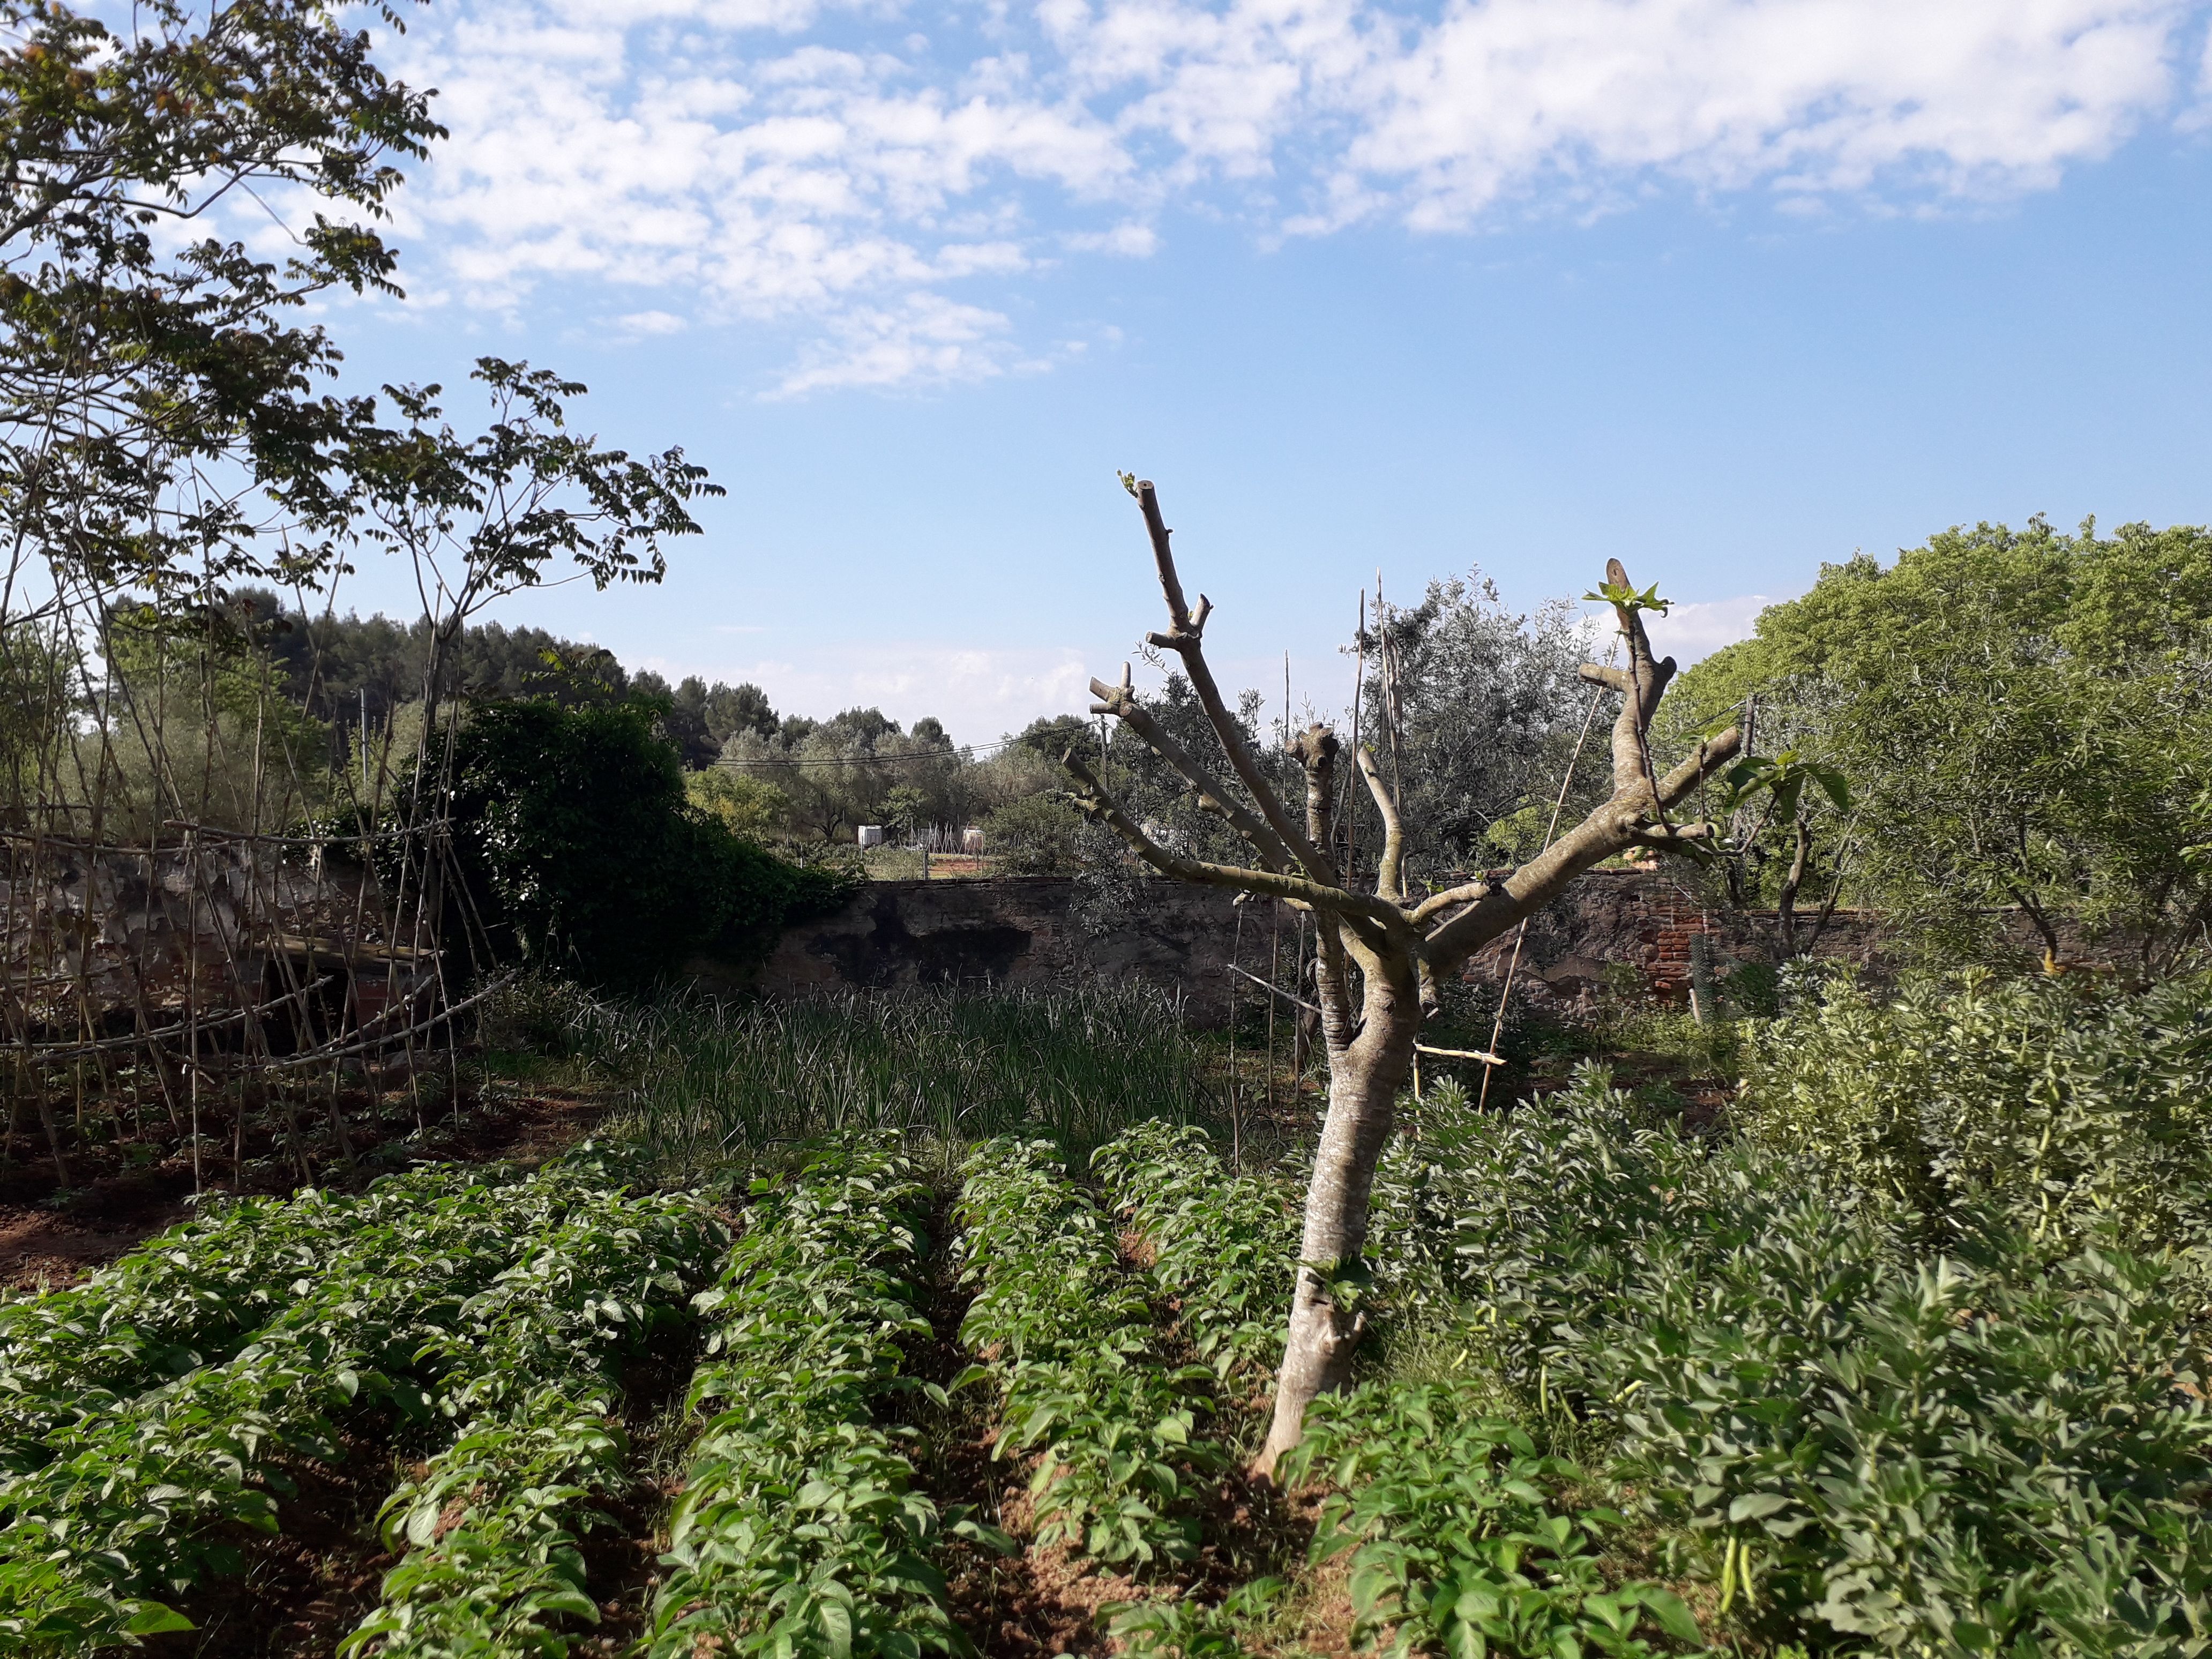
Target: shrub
<point>743,805</point>
<point>1034,836</point>
<point>579,849</point>
<point>2070,1106</point>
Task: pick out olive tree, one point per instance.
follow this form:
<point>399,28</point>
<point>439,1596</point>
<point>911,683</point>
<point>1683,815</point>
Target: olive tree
<point>1382,952</point>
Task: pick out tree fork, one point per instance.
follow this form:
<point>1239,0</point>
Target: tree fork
<point>1400,948</point>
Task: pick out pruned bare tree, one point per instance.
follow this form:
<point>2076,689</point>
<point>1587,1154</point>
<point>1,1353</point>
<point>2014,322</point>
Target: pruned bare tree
<point>1399,947</point>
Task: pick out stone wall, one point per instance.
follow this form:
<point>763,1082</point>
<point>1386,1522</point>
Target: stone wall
<point>1024,930</point>
<point>1007,930</point>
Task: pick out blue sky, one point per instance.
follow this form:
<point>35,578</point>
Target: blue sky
<point>1725,287</point>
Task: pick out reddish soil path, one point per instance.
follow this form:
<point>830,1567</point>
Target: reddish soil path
<point>50,1238</point>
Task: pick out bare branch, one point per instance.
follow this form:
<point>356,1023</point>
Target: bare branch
<point>1310,1008</point>
<point>1356,909</point>
<point>1391,873</point>
<point>1482,1054</point>
<point>1120,702</point>
<point>1623,821</point>
<point>1183,640</point>
<point>1466,893</point>
<point>1708,758</point>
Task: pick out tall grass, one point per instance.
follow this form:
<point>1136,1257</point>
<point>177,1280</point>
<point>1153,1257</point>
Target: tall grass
<point>710,1083</point>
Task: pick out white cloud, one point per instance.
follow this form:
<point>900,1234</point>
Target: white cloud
<point>1696,629</point>
<point>927,339</point>
<point>639,323</point>
<point>1128,239</point>
<point>836,166</point>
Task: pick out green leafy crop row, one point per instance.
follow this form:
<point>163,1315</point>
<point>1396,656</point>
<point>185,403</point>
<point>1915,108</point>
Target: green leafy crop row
<point>1460,1541</point>
<point>1069,1339</point>
<point>1225,1248</point>
<point>132,1502</point>
<point>490,1526</point>
<point>187,1298</point>
<point>799,1534</point>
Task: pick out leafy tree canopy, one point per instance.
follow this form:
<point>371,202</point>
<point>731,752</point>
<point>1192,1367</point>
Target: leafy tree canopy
<point>154,399</point>
<point>2024,717</point>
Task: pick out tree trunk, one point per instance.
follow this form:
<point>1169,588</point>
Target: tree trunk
<point>1405,946</point>
<point>1364,1077</point>
<point>1785,902</point>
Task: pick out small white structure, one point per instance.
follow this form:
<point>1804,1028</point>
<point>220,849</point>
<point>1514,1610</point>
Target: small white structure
<point>871,834</point>
<point>971,840</point>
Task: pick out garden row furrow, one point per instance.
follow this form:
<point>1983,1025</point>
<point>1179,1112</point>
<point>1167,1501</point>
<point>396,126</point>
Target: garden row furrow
<point>490,1527</point>
<point>799,1532</point>
<point>1225,1248</point>
<point>142,1500</point>
<point>1068,1336</point>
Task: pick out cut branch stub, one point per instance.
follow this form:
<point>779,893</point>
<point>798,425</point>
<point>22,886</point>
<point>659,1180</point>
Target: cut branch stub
<point>1184,621</point>
<point>1185,639</point>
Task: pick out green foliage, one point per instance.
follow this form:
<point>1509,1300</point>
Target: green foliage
<point>799,1534</point>
<point>742,804</point>
<point>1225,1248</point>
<point>577,844</point>
<point>1067,1339</point>
<point>1488,706</point>
<point>860,768</point>
<point>505,1574</point>
<point>191,1297</point>
<point>1185,1628</point>
<point>195,725</point>
<point>137,359</point>
<point>1034,836</point>
<point>2026,719</point>
<point>2074,1110</point>
<point>491,513</point>
<point>1462,1539</point>
<point>710,1081</point>
<point>489,1529</point>
<point>139,1498</point>
<point>334,666</point>
<point>1998,1446</point>
<point>1785,778</point>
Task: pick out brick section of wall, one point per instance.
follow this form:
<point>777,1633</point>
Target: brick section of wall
<point>1024,930</point>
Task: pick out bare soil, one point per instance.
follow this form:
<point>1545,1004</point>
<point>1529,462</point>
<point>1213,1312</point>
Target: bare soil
<point>52,1236</point>
<point>305,1588</point>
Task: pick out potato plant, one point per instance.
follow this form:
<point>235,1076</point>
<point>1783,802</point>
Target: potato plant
<point>799,1534</point>
<point>189,1297</point>
<point>1067,1336</point>
<point>490,1528</point>
<point>1461,1540</point>
<point>132,1503</point>
<point>504,1574</point>
<point>1224,1249</point>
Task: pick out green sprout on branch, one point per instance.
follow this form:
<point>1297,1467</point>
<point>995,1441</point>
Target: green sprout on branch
<point>1627,598</point>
